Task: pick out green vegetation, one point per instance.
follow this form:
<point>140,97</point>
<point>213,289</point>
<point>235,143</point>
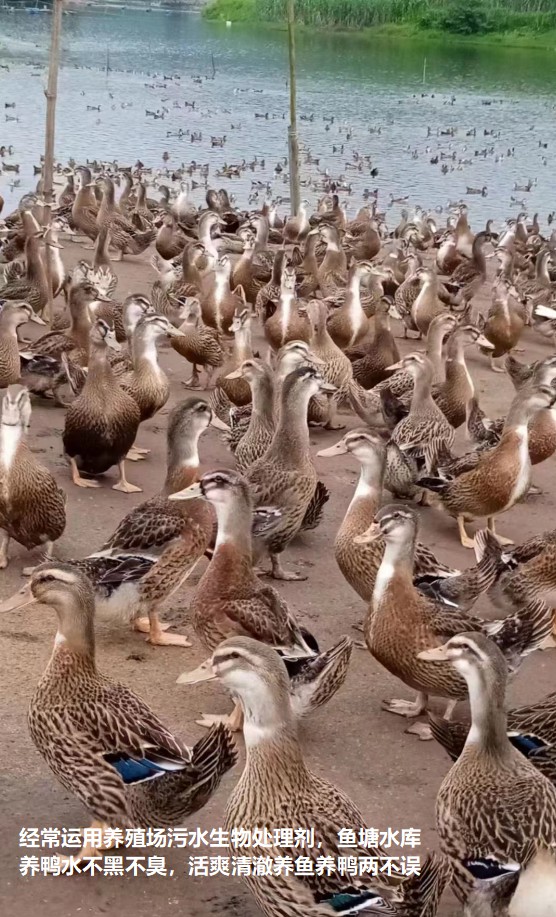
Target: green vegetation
<point>233,10</point>
<point>515,19</point>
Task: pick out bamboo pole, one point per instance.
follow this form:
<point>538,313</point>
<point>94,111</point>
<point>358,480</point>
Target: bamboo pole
<point>51,96</point>
<point>293,144</point>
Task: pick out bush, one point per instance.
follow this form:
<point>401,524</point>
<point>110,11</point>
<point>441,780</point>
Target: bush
<point>464,17</point>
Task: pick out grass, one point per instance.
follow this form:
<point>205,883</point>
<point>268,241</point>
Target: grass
<point>523,23</point>
<point>232,10</point>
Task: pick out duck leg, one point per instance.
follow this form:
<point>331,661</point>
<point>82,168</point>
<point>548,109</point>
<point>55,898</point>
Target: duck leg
<point>87,852</point>
<point>494,367</point>
<point>332,423</point>
<point>234,721</point>
<point>193,381</point>
<point>277,571</point>
<point>406,707</point>
<point>28,571</point>
<point>491,528</point>
<point>77,479</point>
<point>4,542</point>
<point>466,541</point>
<point>137,453</point>
<point>157,635</point>
<point>124,485</point>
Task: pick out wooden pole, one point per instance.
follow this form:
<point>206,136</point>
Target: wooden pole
<point>51,96</point>
<point>293,144</point>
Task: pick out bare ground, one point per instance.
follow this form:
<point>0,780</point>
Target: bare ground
<point>392,776</point>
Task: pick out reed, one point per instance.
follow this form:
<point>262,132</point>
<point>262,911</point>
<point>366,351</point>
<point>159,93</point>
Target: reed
<point>461,16</point>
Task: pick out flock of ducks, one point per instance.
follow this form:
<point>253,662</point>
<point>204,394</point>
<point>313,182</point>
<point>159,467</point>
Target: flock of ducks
<point>321,293</point>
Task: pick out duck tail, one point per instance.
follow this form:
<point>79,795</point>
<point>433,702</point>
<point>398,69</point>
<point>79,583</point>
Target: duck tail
<point>521,633</point>
<point>319,677</point>
<point>313,513</point>
<point>449,734</point>
<point>422,893</point>
<point>435,485</point>
<point>490,563</point>
<point>170,799</point>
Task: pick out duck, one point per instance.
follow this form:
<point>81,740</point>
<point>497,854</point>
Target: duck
<point>200,345</point>
<point>365,245</point>
<point>230,600</point>
<point>157,545</point>
<point>502,475</point>
<point>486,433</point>
<point>425,430</point>
<point>348,324</point>
<point>486,831</point>
<point>234,391</point>
<point>33,287</point>
<point>407,292</point>
<point>218,302</point>
<point>285,476</point>
<point>359,563</point>
<point>286,323</point>
<point>12,316</point>
<point>401,622</point>
<point>269,293</point>
<point>102,423</point>
<point>258,679</point>
<point>247,273</point>
<point>170,239</point>
<point>372,359</point>
<point>333,268</point>
<point>426,305</point>
<point>52,258</point>
<point>335,365</point>
<point>75,340</point>
<point>504,325</point>
<point>148,384</point>
<point>251,442</point>
<point>530,729</point>
<point>470,275</point>
<point>85,207</point>
<point>109,748</point>
<point>453,396</point>
<point>307,265</point>
<point>32,506</point>
<point>297,227</point>
<point>124,236</point>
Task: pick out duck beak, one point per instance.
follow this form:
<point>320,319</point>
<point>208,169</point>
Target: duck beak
<point>102,298</point>
<point>327,388</point>
<point>175,332</point>
<point>483,342</point>
<point>316,361</point>
<point>338,449</point>
<point>219,424</point>
<point>203,672</point>
<point>35,317</point>
<point>193,492</point>
<point>236,374</point>
<point>20,599</point>
<point>373,533</point>
<point>435,654</point>
<point>398,365</point>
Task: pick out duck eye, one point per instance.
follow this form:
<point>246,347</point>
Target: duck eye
<point>48,578</point>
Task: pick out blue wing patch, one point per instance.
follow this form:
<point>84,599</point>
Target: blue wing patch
<point>527,745</point>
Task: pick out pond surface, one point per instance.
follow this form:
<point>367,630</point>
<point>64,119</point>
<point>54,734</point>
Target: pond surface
<point>390,99</point>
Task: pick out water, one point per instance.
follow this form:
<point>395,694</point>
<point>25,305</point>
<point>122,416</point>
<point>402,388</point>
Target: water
<point>366,85</point>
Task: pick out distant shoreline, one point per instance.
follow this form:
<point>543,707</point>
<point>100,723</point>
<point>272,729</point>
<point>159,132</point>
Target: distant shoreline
<point>245,12</point>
